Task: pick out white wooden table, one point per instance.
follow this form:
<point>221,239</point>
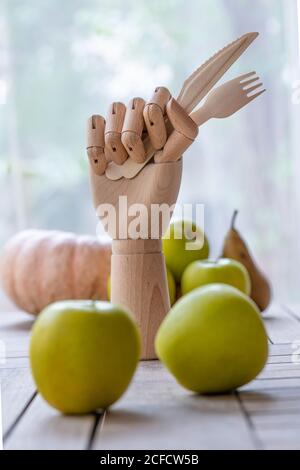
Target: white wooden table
<point>155,412</point>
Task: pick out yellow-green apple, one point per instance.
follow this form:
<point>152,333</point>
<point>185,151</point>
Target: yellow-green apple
<point>83,354</point>
<point>223,270</point>
<point>183,243</point>
<point>171,285</point>
<point>213,340</point>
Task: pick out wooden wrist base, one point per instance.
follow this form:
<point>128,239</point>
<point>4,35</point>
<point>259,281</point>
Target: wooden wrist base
<point>139,283</point>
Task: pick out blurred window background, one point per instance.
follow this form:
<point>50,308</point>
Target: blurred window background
<point>63,61</point>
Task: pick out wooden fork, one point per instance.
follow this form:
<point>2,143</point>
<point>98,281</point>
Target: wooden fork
<point>229,98</point>
<point>221,103</point>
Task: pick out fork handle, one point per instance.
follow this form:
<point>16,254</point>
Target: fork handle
<point>200,116</point>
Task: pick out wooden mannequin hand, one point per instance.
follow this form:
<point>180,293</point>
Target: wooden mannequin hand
<point>138,271</point>
<point>122,136</point>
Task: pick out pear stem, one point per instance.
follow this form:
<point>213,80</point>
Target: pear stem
<point>234,216</point>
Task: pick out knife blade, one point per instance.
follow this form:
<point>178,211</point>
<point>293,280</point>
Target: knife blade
<point>197,85</point>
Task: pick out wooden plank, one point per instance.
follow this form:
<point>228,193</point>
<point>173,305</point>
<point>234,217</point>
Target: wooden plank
<point>285,349</point>
<point>277,393</point>
<point>285,373</point>
<point>281,326</point>
<point>283,421</point>
<point>293,309</point>
<point>15,362</point>
<point>274,407</point>
<point>273,401</point>
<point>187,426</point>
<point>157,413</point>
<point>280,359</point>
<point>272,384</point>
<point>276,439</point>
<point>42,427</point>
<point>282,366</point>
<point>17,389</point>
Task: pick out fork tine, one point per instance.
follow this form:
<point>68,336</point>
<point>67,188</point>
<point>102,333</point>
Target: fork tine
<point>252,97</point>
<point>251,89</point>
<point>248,82</point>
<point>245,76</point>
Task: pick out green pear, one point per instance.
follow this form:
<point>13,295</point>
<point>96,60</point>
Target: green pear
<point>235,247</point>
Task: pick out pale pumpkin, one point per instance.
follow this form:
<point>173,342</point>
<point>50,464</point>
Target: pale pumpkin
<point>39,267</point>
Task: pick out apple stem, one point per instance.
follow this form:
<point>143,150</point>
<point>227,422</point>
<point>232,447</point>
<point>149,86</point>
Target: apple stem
<point>234,216</point>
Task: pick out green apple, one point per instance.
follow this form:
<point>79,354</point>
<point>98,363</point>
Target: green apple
<point>83,354</point>
<point>171,285</point>
<point>227,271</point>
<point>213,340</point>
<point>179,252</point>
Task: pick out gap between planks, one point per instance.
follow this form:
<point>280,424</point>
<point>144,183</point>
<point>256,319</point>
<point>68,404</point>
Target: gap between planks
<point>258,444</point>
<point>281,325</point>
<point>19,416</point>
<point>99,419</point>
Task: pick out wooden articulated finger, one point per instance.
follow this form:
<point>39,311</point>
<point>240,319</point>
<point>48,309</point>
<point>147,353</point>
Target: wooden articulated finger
<point>184,133</point>
<point>95,144</point>
<point>180,120</point>
<point>95,131</point>
<point>114,149</point>
<point>133,129</point>
<point>154,112</point>
<point>175,147</point>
